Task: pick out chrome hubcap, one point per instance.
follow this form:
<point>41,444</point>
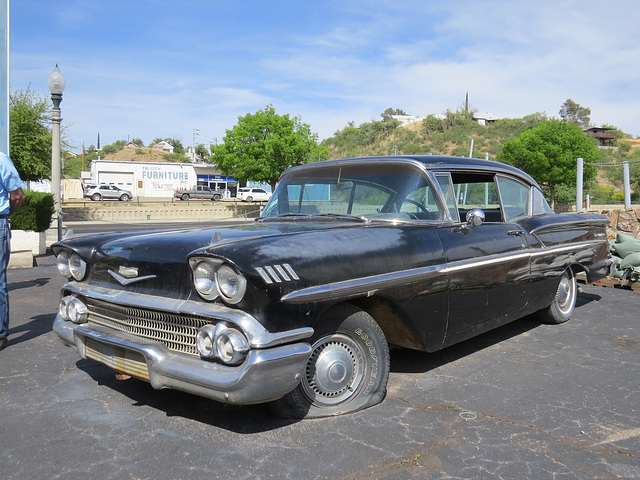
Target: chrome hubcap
<point>334,371</point>
<point>565,293</point>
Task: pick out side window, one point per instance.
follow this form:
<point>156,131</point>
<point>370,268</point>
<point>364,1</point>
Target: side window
<point>477,190</point>
<point>515,198</point>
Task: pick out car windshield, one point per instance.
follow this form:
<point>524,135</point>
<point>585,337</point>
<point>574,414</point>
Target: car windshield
<point>391,190</point>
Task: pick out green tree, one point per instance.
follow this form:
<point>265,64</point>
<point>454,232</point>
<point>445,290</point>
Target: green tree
<point>386,115</point>
<point>29,135</point>
<point>572,112</point>
<point>264,144</point>
<point>201,151</point>
<point>176,144</point>
<point>549,153</point>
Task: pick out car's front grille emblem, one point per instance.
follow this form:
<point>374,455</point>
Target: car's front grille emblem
<point>277,273</point>
<point>128,275</point>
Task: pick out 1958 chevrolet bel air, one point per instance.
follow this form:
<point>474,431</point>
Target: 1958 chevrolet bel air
<point>349,258</point>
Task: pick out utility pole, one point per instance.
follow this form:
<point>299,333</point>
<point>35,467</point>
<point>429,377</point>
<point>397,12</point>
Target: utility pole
<point>193,144</point>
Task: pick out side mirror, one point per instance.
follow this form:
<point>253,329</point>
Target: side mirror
<point>475,217</point>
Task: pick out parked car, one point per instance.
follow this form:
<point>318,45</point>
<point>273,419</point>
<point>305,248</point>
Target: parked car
<point>349,258</point>
<point>101,192</point>
<point>253,194</point>
<point>198,192</point>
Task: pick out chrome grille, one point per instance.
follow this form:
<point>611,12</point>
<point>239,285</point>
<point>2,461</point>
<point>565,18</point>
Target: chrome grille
<point>176,332</point>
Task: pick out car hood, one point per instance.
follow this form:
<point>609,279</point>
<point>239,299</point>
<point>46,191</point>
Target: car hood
<point>161,256</point>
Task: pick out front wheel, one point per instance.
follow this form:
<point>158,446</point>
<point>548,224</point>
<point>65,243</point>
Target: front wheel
<point>216,198</point>
<point>347,371</point>
<point>564,301</point>
<point>124,198</point>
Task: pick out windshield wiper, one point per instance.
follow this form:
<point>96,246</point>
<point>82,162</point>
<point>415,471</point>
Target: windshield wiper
<point>337,216</point>
<point>341,216</point>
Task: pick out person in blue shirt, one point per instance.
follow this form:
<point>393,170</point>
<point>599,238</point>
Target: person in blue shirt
<point>11,198</point>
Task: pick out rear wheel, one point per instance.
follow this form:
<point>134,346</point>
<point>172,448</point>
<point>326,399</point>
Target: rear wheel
<point>347,371</point>
<point>95,197</point>
<point>185,196</point>
<point>249,199</point>
<point>563,303</point>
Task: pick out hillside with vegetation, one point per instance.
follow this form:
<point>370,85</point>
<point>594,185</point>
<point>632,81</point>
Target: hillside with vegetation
<point>456,133</point>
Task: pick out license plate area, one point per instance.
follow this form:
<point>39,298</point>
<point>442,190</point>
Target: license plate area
<point>118,358</point>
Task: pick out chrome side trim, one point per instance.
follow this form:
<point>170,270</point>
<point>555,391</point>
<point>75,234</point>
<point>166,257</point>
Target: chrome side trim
<point>258,336</point>
<point>367,286</point>
<point>265,375</point>
<point>359,286</point>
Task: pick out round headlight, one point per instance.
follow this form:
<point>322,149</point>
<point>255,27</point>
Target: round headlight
<point>204,279</point>
<point>231,284</point>
<point>77,311</point>
<point>63,263</point>
<point>204,341</point>
<point>231,346</point>
<point>63,308</point>
<point>77,266</point>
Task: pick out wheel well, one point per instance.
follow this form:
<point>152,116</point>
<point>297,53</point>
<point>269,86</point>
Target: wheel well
<point>391,319</point>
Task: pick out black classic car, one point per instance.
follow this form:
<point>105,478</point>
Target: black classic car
<point>349,258</point>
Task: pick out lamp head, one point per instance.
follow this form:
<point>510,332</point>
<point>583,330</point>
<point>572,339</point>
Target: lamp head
<point>56,82</point>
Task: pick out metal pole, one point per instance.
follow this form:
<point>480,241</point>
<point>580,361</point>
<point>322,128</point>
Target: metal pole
<point>55,159</point>
<point>4,78</point>
<point>627,185</point>
<point>579,182</point>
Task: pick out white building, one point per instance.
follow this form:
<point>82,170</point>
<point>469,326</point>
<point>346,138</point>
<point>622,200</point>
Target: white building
<point>159,179</point>
<point>485,118</point>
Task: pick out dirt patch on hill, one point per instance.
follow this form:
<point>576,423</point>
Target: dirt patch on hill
<point>131,154</point>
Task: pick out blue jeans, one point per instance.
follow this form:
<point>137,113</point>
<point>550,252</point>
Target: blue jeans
<point>5,251</point>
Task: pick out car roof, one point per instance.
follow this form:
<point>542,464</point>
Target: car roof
<point>432,163</point>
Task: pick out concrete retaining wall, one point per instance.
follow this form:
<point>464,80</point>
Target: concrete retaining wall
<point>119,212</point>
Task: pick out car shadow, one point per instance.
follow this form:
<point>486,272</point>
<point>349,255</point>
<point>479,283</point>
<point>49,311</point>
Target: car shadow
<point>412,361</point>
<point>249,419</point>
<point>245,419</point>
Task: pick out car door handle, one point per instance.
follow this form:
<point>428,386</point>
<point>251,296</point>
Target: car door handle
<point>516,232</point>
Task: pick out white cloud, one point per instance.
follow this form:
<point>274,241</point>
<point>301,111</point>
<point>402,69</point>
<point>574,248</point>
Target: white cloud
<point>162,71</point>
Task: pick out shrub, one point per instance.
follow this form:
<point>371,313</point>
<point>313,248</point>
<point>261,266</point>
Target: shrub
<point>35,213</point>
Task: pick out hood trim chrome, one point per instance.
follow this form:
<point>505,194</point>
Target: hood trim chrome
<point>128,281</point>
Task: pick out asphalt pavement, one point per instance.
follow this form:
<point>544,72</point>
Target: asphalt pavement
<point>525,401</point>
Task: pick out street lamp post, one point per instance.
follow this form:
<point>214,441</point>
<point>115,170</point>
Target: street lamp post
<point>56,84</point>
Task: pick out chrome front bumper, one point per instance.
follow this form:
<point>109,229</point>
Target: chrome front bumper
<point>265,375</point>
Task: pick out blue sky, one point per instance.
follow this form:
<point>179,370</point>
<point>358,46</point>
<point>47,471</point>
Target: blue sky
<point>160,68</point>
